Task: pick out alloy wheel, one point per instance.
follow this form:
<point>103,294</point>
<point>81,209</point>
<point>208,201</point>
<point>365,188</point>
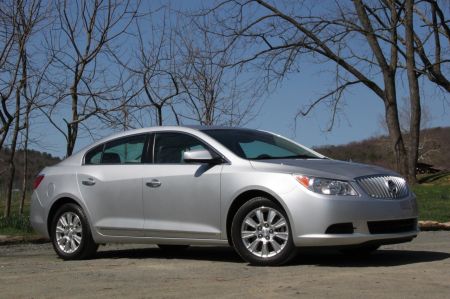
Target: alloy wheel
<point>69,231</point>
<point>264,232</point>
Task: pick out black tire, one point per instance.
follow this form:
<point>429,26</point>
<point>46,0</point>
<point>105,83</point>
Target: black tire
<point>287,251</point>
<point>86,247</point>
<point>173,249</point>
<point>360,251</point>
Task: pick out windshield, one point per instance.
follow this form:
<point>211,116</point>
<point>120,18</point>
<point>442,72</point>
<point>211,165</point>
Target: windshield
<point>257,145</point>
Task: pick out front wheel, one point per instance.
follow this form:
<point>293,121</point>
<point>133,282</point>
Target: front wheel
<point>71,235</point>
<point>261,234</point>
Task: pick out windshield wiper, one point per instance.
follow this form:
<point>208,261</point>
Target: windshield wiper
<point>267,157</point>
<point>298,157</point>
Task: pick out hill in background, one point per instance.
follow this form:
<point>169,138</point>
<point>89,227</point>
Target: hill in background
<point>434,150</point>
<point>36,162</point>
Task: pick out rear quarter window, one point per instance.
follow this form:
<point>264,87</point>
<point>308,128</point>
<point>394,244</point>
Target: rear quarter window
<point>128,150</point>
<point>94,156</point>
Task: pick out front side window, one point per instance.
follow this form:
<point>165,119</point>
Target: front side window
<point>169,147</point>
<point>258,145</point>
<point>128,150</point>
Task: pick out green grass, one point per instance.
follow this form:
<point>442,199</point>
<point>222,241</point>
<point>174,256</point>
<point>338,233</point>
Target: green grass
<point>16,224</point>
<point>433,197</point>
<point>434,202</point>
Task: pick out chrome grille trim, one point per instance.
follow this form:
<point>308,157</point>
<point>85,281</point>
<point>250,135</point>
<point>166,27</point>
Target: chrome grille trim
<point>384,186</point>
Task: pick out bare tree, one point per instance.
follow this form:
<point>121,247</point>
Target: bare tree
<point>432,45</point>
<point>157,68</point>
<point>153,67</point>
<point>125,115</point>
<point>363,40</point>
<point>9,64</point>
<point>85,32</point>
<point>26,126</point>
<point>181,76</point>
<point>27,14</point>
<point>32,98</point>
<point>215,94</point>
<point>414,95</point>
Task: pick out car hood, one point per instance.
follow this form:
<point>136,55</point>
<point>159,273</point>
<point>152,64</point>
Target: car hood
<point>327,168</point>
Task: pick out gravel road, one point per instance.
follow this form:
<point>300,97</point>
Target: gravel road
<point>418,269</point>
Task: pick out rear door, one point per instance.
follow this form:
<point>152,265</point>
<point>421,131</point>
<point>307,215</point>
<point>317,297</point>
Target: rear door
<point>111,185</point>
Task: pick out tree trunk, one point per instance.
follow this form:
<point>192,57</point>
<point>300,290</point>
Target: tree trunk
<point>72,130</point>
<point>5,133</point>
<point>159,114</point>
<point>414,96</point>
<point>11,164</point>
<point>393,124</point>
<point>25,160</point>
<point>72,127</point>
<point>390,96</point>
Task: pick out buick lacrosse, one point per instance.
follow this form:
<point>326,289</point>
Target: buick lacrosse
<point>258,192</point>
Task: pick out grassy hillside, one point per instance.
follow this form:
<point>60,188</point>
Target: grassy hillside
<point>36,162</point>
<point>434,150</point>
<point>17,224</point>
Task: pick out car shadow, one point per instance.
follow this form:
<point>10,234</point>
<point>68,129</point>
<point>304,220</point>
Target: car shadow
<point>206,253</point>
<point>379,258</point>
<point>319,257</point>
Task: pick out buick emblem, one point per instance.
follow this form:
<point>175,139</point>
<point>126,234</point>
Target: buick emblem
<point>392,187</point>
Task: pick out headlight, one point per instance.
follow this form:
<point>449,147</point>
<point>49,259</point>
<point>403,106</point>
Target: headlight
<point>326,186</point>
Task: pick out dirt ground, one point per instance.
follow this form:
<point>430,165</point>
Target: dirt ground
<point>418,269</point>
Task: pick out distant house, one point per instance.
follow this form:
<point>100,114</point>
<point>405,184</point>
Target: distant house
<point>423,168</point>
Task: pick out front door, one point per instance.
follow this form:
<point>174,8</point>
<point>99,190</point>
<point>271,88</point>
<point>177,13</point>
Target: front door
<point>180,200</point>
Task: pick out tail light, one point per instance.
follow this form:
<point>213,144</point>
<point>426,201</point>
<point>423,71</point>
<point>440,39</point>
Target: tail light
<point>37,181</point>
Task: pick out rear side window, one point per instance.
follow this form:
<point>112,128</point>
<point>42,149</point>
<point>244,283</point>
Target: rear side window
<point>128,150</point>
<point>94,156</point>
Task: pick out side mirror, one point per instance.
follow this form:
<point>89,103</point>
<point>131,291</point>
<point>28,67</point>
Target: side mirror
<point>200,156</point>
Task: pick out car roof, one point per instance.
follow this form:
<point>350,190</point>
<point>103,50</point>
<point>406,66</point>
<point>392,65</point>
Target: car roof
<point>205,128</point>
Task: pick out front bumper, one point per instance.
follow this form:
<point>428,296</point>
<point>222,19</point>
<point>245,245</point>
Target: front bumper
<point>353,239</point>
<point>311,215</point>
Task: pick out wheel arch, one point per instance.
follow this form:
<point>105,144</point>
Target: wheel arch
<point>54,208</point>
<point>243,198</point>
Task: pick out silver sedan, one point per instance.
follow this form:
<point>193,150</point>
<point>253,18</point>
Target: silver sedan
<point>261,193</point>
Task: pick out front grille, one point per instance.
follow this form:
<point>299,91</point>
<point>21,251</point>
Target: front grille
<point>392,226</point>
<point>384,187</point>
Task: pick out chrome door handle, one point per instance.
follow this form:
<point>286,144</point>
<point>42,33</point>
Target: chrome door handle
<point>153,183</point>
<point>89,182</point>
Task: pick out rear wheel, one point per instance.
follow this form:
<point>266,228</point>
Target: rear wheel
<point>261,234</point>
<point>71,235</point>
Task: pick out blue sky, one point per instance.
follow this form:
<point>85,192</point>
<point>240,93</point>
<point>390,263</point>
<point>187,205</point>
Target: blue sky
<point>359,117</point>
